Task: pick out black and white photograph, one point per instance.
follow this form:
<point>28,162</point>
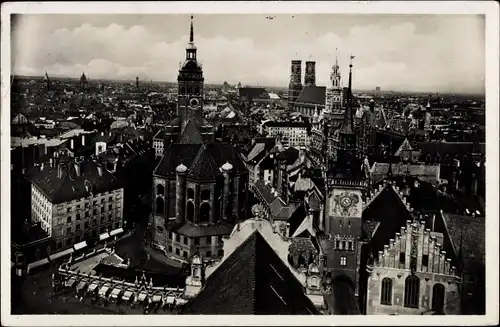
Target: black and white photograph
<point>243,159</point>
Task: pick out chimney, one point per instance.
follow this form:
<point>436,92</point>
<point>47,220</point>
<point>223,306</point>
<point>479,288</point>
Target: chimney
<point>83,139</point>
<point>51,162</point>
<point>71,144</point>
<point>77,168</point>
<point>310,74</point>
<point>41,166</point>
<point>99,170</point>
<point>102,133</point>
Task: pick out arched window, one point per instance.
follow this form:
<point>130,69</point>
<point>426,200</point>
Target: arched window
<point>190,193</point>
<point>197,90</point>
<point>386,295</point>
<point>183,90</point>
<point>204,212</point>
<point>438,158</point>
<point>438,298</point>
<point>190,211</point>
<point>160,189</point>
<point>447,158</point>
<point>412,291</point>
<point>428,158</point>
<point>160,206</point>
<point>190,90</point>
<point>205,195</point>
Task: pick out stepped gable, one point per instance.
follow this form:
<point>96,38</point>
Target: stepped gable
<point>414,234</point>
<point>252,280</point>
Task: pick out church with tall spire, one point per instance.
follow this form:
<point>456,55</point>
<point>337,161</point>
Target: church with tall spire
<point>199,185</point>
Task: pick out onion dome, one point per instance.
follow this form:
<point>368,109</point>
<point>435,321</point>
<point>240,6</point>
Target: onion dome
<point>227,166</point>
<point>181,169</point>
<point>196,260</point>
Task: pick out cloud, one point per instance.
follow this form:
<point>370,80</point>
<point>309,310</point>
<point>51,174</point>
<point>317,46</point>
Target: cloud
<point>395,57</point>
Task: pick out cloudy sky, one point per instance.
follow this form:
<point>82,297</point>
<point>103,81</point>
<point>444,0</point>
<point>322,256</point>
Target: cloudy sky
<point>436,53</point>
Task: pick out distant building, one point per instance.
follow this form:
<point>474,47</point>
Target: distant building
<point>377,89</point>
<point>334,94</point>
<point>294,134</point>
<point>295,86</point>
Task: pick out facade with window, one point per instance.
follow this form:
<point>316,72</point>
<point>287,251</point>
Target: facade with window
<point>413,276</point>
<point>75,200</point>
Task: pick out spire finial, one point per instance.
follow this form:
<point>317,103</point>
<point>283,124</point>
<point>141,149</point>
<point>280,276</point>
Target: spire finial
<point>191,37</point>
<point>336,56</point>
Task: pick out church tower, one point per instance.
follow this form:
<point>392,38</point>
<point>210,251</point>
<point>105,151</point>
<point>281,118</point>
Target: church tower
<point>83,81</point>
<point>47,81</point>
<point>345,186</point>
<point>190,85</point>
<point>137,82</point>
<point>334,90</point>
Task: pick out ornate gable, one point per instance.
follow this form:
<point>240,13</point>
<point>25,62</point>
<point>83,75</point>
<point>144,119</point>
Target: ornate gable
<point>415,248</point>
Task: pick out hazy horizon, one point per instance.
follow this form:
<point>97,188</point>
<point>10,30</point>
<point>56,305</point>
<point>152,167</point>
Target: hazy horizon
<point>413,53</point>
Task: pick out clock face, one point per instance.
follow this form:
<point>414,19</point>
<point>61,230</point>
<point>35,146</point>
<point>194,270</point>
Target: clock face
<point>345,201</point>
<point>194,102</point>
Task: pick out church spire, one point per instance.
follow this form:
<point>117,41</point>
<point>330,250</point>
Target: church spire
<point>348,124</point>
<point>191,34</point>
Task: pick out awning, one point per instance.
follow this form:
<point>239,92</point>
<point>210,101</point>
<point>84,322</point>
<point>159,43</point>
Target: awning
<point>156,298</point>
<point>38,263</point>
<point>103,290</point>
<point>79,246</point>
<point>81,285</point>
<point>141,296</point>
<point>103,236</point>
<point>170,299</point>
<point>92,287</point>
<point>115,293</point>
<point>70,282</point>
<point>127,295</point>
<point>61,254</point>
<point>116,232</point>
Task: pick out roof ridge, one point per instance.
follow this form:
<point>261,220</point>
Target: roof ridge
<point>254,264</point>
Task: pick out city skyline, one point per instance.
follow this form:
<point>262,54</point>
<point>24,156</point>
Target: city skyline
<point>67,45</point>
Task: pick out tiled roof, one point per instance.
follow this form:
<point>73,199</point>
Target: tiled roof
<point>222,227</point>
<point>186,154</point>
<point>467,235</point>
<point>70,185</point>
<point>313,95</point>
<point>253,93</point>
<point>191,134</point>
<point>252,280</point>
<point>204,166</point>
<point>450,147</point>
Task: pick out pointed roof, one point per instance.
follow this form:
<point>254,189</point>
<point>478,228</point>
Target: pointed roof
<point>348,123</point>
<point>405,146</point>
<point>252,280</point>
<point>191,134</point>
<point>204,166</point>
<point>83,78</point>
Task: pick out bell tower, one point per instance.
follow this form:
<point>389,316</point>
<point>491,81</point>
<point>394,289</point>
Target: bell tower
<point>190,80</point>
<point>345,186</point>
